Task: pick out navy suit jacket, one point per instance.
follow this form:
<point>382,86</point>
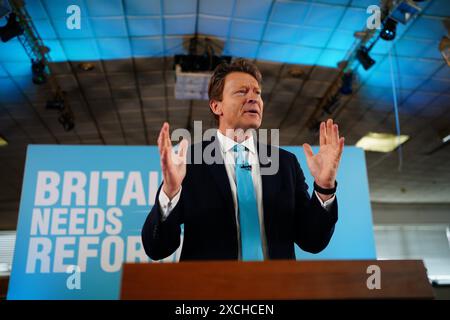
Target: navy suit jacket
<point>207,211</point>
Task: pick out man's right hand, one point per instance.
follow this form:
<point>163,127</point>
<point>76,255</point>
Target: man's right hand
<point>173,165</point>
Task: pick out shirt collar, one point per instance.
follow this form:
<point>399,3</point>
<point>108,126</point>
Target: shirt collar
<point>227,144</point>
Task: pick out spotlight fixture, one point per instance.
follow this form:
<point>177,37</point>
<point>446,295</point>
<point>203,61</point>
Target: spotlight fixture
<point>405,11</point>
<point>38,72</point>
<point>389,30</point>
<point>4,8</point>
<point>363,57</point>
<point>11,29</point>
<point>347,83</point>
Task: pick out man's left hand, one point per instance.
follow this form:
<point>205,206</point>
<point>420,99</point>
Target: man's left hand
<point>323,165</point>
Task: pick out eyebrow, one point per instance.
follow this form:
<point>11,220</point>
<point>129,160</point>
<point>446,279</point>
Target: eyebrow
<point>246,87</point>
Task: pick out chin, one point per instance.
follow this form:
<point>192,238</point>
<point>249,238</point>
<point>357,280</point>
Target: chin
<point>251,125</point>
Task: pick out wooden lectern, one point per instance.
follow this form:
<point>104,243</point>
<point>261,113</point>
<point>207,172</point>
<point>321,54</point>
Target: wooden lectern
<point>273,280</point>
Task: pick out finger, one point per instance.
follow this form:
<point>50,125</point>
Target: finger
<point>166,158</point>
<point>161,149</point>
<point>167,142</point>
<point>334,139</point>
<point>336,134</point>
<point>163,134</point>
<point>163,163</point>
<point>329,130</point>
<point>341,147</point>
<point>322,134</point>
<point>160,137</point>
<point>165,147</point>
<point>308,151</point>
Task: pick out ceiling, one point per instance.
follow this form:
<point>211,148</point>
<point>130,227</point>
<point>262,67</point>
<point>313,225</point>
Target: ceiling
<point>128,95</point>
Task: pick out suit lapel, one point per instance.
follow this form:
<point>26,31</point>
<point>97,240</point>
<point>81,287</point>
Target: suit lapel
<point>220,176</point>
<point>270,187</point>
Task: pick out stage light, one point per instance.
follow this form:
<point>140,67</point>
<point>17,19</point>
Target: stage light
<point>38,71</point>
<point>389,30</point>
<point>4,8</point>
<point>11,29</point>
<point>405,11</point>
<point>347,83</point>
<point>363,57</point>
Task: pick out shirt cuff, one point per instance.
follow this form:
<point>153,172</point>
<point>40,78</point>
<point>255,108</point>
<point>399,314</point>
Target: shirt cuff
<point>166,204</point>
<point>326,204</point>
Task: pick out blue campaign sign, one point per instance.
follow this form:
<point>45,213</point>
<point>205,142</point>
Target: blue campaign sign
<point>81,206</point>
<point>82,209</point>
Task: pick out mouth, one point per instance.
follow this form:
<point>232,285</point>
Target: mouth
<point>252,112</point>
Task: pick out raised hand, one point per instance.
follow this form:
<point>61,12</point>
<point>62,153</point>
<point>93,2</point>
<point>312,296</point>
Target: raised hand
<point>173,165</point>
<point>323,165</point>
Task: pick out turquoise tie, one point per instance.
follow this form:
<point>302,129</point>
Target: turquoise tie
<point>248,210</point>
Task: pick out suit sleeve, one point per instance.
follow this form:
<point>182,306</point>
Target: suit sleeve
<point>314,225</point>
<point>161,238</point>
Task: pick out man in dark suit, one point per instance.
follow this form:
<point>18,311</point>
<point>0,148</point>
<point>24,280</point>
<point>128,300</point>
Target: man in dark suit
<point>230,209</point>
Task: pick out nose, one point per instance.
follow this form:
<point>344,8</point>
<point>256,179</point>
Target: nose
<point>251,100</point>
<point>252,97</point>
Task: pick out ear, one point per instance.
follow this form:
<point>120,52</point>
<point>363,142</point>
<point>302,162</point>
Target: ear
<point>216,107</point>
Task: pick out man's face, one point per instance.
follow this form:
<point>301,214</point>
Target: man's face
<point>241,106</point>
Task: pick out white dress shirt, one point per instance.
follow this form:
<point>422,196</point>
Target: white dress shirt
<point>229,156</point>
